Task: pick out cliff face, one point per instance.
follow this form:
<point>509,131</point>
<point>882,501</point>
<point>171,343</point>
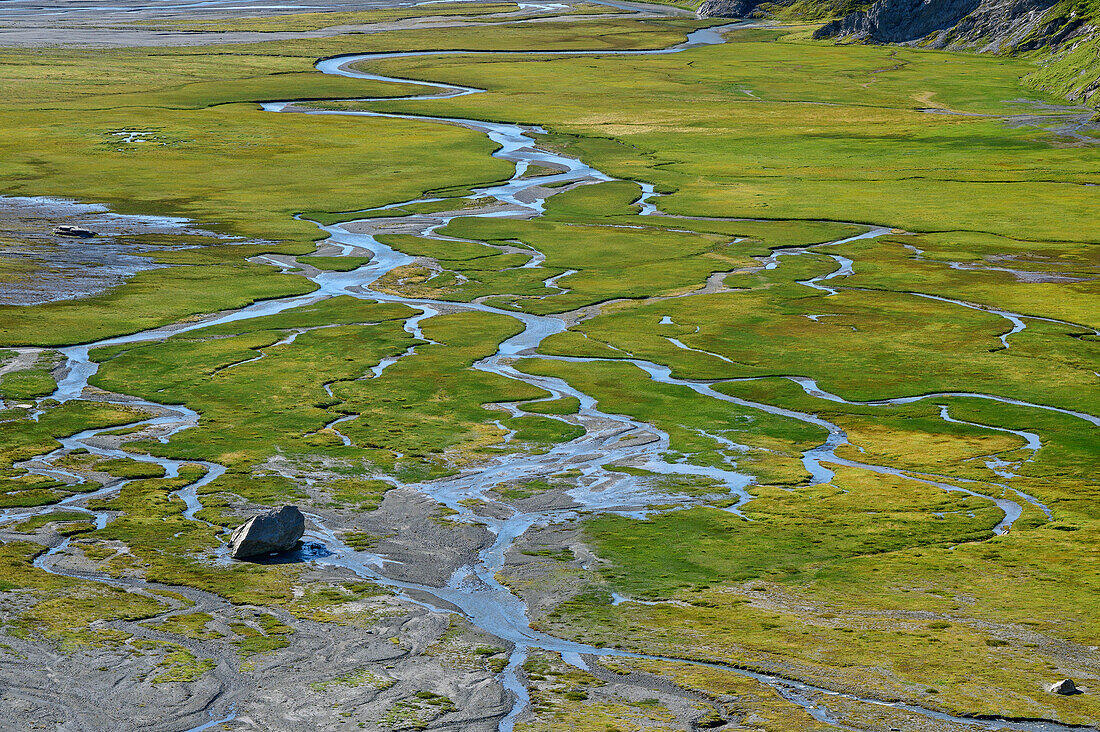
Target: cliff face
<point>726,8</point>
<point>1065,34</point>
<point>986,25</point>
<point>983,25</point>
<point>786,9</point>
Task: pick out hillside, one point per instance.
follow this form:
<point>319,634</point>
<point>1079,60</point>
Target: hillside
<point>1062,35</point>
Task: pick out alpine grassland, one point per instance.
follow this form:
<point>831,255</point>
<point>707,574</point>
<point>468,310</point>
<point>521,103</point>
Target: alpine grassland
<point>775,364</point>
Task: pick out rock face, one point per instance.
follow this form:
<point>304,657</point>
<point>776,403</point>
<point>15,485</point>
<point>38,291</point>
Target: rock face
<point>78,231</point>
<point>1064,687</point>
<point>274,531</point>
<point>983,25</point>
<point>803,9</point>
<point>726,8</point>
<point>898,21</point>
<point>1065,35</point>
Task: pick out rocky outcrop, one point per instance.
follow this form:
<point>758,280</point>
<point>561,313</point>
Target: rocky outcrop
<point>1065,687</point>
<point>274,531</point>
<point>899,21</point>
<point>782,9</point>
<point>727,8</point>
<point>1066,36</point>
<point>1009,25</point>
<point>983,25</point>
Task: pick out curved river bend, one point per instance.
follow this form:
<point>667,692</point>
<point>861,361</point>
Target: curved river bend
<point>474,590</point>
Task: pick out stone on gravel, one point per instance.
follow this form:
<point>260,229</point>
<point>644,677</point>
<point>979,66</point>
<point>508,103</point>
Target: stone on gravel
<point>77,231</point>
<point>274,531</point>
<point>1065,687</point>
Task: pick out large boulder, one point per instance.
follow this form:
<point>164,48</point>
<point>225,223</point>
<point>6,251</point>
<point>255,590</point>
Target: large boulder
<point>274,531</point>
<point>69,230</point>
<point>1064,687</point>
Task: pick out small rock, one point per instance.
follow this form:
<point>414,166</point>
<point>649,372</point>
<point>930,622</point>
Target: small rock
<point>1065,687</point>
<point>274,531</point>
<point>77,231</point>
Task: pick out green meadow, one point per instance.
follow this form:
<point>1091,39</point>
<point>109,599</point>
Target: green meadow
<point>780,128</point>
<point>768,144</point>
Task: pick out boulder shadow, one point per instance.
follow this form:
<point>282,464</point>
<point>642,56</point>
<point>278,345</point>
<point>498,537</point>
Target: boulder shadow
<point>303,552</point>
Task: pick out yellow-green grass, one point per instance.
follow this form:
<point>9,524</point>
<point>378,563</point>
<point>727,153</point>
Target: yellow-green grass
<point>168,548</point>
<point>874,344</point>
<point>823,133</point>
<point>887,265</point>
<point>270,636</point>
<point>27,384</point>
<point>736,695</point>
<point>785,535</point>
<point>221,161</point>
<point>566,405</point>
<point>236,167</point>
<point>612,262</point>
<point>22,439</point>
<point>868,531</point>
<point>685,416</point>
<point>621,256</point>
<point>429,405</point>
<point>55,517</point>
<point>616,203</point>
<point>61,609</point>
<point>126,468</point>
<point>424,207</point>
<point>190,625</point>
<point>179,664</point>
<point>80,460</point>
<point>912,437</point>
<point>235,427</point>
<point>316,21</point>
<point>149,299</point>
<point>562,699</point>
<point>838,135</point>
<point>970,621</point>
<point>839,546</point>
<point>363,494</point>
<point>425,408</point>
<point>498,13</point>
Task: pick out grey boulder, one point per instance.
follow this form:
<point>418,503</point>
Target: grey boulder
<point>274,531</point>
<point>1064,687</point>
<point>77,231</point>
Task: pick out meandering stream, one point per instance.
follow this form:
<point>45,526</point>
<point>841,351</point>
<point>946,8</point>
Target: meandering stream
<point>474,590</point>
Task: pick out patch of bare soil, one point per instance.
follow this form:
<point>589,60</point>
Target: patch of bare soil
<point>39,265</point>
